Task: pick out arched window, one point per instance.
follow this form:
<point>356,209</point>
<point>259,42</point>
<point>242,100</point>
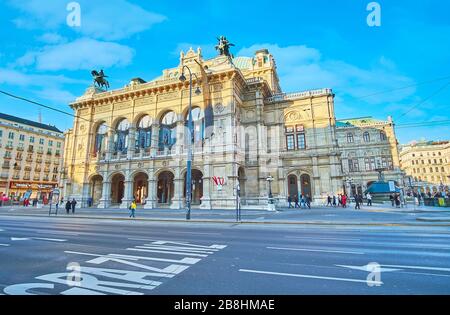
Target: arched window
<point>366,137</point>
<point>100,139</point>
<point>383,136</point>
<point>350,138</point>
<point>198,118</point>
<point>144,133</point>
<point>121,137</point>
<point>167,131</point>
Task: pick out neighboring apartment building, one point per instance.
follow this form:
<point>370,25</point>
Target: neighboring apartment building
<point>30,157</point>
<point>427,164</point>
<point>368,146</point>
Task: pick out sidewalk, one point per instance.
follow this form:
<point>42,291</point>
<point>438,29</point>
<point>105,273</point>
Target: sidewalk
<point>376,215</point>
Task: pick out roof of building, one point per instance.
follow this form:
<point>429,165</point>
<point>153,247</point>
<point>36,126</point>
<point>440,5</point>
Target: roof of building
<point>29,123</point>
<point>243,63</point>
<point>358,122</point>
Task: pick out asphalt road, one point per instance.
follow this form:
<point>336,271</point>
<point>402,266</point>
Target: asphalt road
<point>87,256</point>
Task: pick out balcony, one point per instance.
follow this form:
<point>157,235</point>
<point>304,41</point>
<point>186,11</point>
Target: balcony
<point>6,166</point>
<point>48,162</point>
<point>8,147</point>
<point>27,168</point>
<point>16,177</point>
<point>17,167</point>
<point>4,176</point>
<point>39,161</point>
<point>29,160</point>
<point>19,159</point>
<point>20,149</point>
<point>7,157</point>
<point>26,178</point>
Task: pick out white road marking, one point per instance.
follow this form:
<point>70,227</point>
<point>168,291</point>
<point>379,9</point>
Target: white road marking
<point>367,268</point>
<point>165,252</point>
<point>419,268</point>
<point>20,239</point>
<point>323,238</point>
<point>317,250</point>
<point>36,238</point>
<point>1,230</point>
<point>5,245</point>
<point>49,239</point>
<point>188,261</point>
<point>58,233</point>
<point>308,276</point>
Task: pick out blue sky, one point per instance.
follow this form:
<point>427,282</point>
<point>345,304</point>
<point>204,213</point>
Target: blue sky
<point>320,43</point>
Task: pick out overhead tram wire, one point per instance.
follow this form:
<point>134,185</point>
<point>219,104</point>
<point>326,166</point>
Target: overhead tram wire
<point>48,107</point>
<point>438,91</point>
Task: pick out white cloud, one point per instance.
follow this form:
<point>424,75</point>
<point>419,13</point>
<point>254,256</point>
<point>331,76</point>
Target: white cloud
<point>303,68</point>
<point>52,38</point>
<point>113,20</point>
<point>81,54</point>
<point>48,87</point>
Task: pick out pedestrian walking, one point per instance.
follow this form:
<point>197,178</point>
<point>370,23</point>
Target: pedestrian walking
<point>308,201</point>
<point>369,200</point>
<point>68,206</point>
<point>290,202</point>
<point>344,201</point>
<point>297,205</point>
<point>303,202</point>
<point>339,200</point>
<point>133,207</point>
<point>329,201</point>
<point>358,201</point>
<point>73,205</point>
<point>334,201</point>
<point>391,197</point>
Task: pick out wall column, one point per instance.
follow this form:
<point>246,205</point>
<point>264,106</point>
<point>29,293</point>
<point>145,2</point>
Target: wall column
<point>128,194</point>
<point>177,201</point>
<point>150,202</point>
<point>131,142</point>
<point>105,201</point>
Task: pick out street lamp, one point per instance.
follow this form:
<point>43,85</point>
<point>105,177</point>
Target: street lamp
<point>270,179</point>
<point>191,133</point>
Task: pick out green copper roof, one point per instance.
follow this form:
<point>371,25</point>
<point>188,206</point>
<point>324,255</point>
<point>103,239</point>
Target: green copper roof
<point>243,63</point>
<point>357,122</point>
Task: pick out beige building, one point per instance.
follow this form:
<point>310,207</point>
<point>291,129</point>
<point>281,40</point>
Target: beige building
<point>130,143</point>
<point>369,146</point>
<point>427,164</point>
<point>30,157</point>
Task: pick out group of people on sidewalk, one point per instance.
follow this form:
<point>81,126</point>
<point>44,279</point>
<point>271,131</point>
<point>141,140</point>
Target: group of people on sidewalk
<point>70,205</point>
<point>342,200</point>
<point>303,203</point>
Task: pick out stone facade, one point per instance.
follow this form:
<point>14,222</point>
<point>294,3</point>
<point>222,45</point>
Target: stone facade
<point>131,143</point>
<point>368,146</point>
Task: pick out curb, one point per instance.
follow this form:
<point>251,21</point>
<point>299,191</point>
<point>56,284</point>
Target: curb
<point>326,223</point>
<point>434,219</point>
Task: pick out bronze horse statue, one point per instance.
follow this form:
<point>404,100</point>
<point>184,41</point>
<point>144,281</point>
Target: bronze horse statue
<point>99,79</point>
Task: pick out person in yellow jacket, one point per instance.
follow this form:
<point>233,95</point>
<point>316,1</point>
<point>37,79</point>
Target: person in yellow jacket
<point>133,207</point>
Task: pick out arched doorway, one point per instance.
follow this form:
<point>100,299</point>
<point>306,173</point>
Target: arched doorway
<point>140,188</point>
<point>306,185</point>
<point>96,188</point>
<point>197,187</point>
<point>117,188</point>
<point>292,186</point>
<point>165,188</point>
